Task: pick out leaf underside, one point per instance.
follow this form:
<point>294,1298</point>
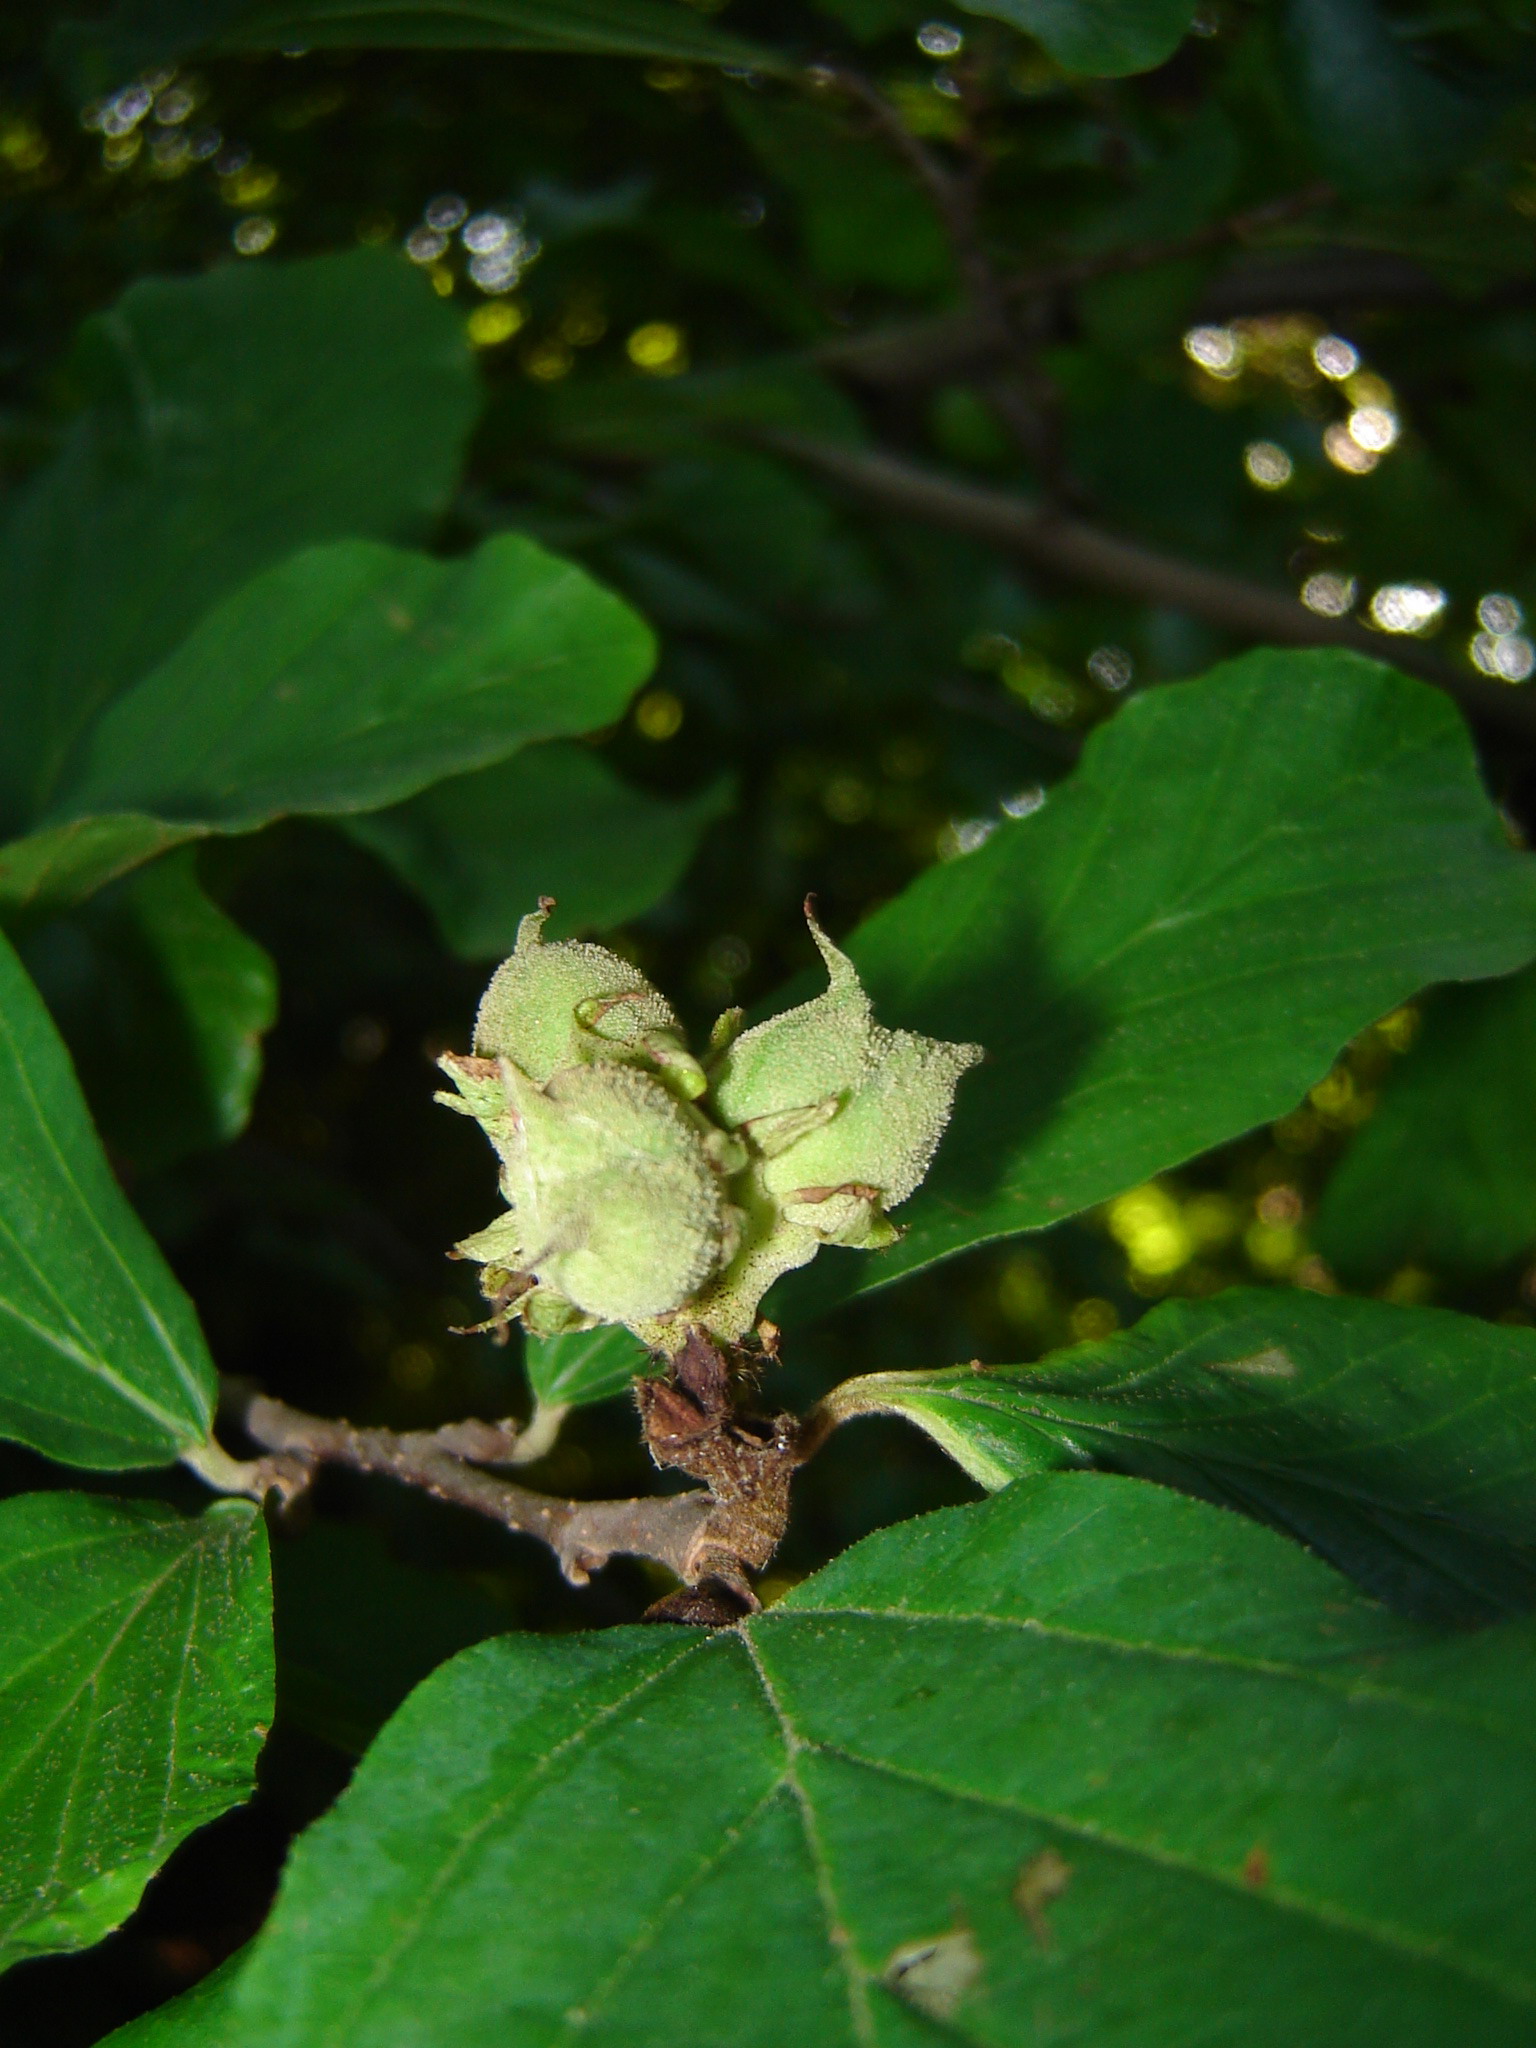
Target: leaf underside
<point>1394,1441</point>
<point>135,1690</point>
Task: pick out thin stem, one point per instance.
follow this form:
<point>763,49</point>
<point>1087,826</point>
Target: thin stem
<point>942,345</point>
<point>448,1464</point>
<point>1085,553</point>
<point>1026,400</point>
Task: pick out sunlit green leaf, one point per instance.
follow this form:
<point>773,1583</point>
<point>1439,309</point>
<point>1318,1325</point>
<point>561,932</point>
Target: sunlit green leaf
<point>223,429</point>
<point>553,821</point>
<point>162,1001</point>
<point>352,675</point>
<point>1397,1442</point>
<point>135,1692</point>
<point>1445,1171</point>
<point>1243,873</point>
<point>1091,1749</point>
<point>102,1362</point>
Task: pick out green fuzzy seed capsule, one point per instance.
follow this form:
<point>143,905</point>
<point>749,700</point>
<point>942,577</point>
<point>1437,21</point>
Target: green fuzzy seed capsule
<point>619,1212</point>
<point>616,1187</point>
<point>836,1105</point>
<point>572,1004</point>
<point>801,1057</point>
<point>632,1200</point>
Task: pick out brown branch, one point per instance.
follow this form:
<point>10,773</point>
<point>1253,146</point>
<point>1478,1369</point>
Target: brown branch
<point>447,1463</point>
<point>1237,227</point>
<point>1083,553</point>
<point>1025,398</point>
<point>948,344</point>
<point>955,195</point>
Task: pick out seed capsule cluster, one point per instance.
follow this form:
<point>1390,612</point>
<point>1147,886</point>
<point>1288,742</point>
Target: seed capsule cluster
<point>648,1188</point>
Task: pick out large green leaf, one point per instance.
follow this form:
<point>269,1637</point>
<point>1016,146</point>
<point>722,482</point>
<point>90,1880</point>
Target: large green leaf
<point>102,1362</point>
<point>223,428</point>
<point>1104,38</point>
<point>594,28</point>
<point>1395,1441</point>
<point>351,676</point>
<point>1446,1169</point>
<point>140,33</point>
<point>1091,1762</point>
<point>1383,125</point>
<point>62,866</point>
<point>135,1691</point>
<point>1243,872</point>
<point>865,220</point>
<point>162,1002</point>
<point>553,821</point>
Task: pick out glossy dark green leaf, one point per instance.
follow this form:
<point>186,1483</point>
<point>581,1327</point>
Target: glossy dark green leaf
<point>1397,1442</point>
<point>135,1692</point>
<point>140,33</point>
<point>62,866</point>
<point>223,428</point>
<point>864,218</point>
<point>553,821</point>
<point>1090,1756</point>
<point>163,1002</point>
<point>594,28</point>
<point>1445,1171</point>
<point>102,1362</point>
<point>352,675</point>
<point>1243,872</point>
<point>1103,38</point>
<point>1383,125</point>
<point>585,1366</point>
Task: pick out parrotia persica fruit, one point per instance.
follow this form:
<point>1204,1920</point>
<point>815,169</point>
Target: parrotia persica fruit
<point>649,1189</point>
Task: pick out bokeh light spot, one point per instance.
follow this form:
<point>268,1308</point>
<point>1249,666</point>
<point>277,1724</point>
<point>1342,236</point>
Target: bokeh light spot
<point>658,715</point>
<point>492,324</point>
<point>1329,594</point>
<point>256,233</point>
<point>1407,607</point>
<point>1335,357</point>
<point>1217,350</point>
<point>658,348</point>
<point>1267,464</point>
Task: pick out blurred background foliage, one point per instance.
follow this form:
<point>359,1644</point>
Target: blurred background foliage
<point>1252,286</point>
